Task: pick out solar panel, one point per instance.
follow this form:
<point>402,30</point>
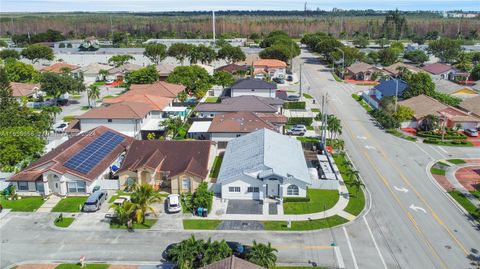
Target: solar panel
<point>94,152</point>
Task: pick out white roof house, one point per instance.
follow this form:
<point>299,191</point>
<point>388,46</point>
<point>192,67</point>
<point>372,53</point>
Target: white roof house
<point>263,164</point>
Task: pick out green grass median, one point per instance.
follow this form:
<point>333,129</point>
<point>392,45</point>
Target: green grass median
<point>200,224</point>
<point>305,225</point>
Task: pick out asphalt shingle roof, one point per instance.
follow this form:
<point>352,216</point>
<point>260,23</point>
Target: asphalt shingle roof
<point>253,84</point>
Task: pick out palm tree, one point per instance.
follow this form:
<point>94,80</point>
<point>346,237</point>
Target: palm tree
<point>103,73</point>
<point>143,196</point>
<point>262,255</point>
<point>185,253</point>
<point>357,184</point>
<point>93,93</point>
<point>123,212</point>
<point>215,251</point>
<point>334,126</point>
<point>172,124</point>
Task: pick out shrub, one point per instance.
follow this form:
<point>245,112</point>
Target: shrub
<point>431,140</point>
<point>202,197</point>
<point>296,199</point>
<point>294,105</point>
<point>300,120</point>
<point>448,135</point>
<point>385,120</point>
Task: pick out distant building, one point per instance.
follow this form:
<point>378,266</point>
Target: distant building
<point>238,42</point>
<point>439,70</point>
<point>361,71</point>
<point>247,103</point>
<point>272,67</point>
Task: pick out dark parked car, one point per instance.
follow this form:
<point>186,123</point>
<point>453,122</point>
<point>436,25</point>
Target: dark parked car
<point>289,78</point>
<point>165,254</point>
<point>279,80</point>
<point>293,98</point>
<point>471,132</point>
<point>238,249</point>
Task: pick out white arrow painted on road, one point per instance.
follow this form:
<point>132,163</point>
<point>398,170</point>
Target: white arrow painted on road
<point>416,208</point>
<point>369,147</point>
<point>402,189</point>
<point>361,137</point>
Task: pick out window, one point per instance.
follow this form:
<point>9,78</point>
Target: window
<point>109,120</point>
<point>238,135</point>
<point>186,183</point>
<point>76,186</point>
<point>233,189</point>
<point>253,189</point>
<point>292,190</point>
<point>81,186</point>
<point>23,185</point>
<point>39,185</point>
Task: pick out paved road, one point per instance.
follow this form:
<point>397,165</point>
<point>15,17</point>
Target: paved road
<point>418,227</point>
<point>391,235</point>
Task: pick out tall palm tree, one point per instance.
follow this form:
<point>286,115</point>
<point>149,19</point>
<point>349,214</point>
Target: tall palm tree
<point>215,251</point>
<point>124,212</point>
<point>93,93</point>
<point>352,174</point>
<point>357,184</point>
<point>143,196</point>
<point>185,253</point>
<point>262,255</point>
<point>334,126</point>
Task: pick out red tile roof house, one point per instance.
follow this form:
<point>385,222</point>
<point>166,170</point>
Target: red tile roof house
<point>424,105</point>
<point>174,166</point>
<point>439,70</point>
<point>273,67</point>
<point>135,113</point>
<point>60,68</point>
<point>20,90</point>
<point>76,166</point>
<point>360,71</point>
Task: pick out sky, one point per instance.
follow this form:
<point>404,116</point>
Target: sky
<point>192,5</point>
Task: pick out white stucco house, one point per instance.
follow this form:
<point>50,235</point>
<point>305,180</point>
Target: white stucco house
<point>256,87</point>
<point>263,164</point>
<point>74,167</point>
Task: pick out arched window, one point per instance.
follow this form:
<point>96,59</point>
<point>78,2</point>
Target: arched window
<point>292,190</point>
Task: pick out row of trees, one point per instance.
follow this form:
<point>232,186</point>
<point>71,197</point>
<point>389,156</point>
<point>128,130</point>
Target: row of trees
<point>279,45</point>
<point>194,253</point>
<point>34,53</point>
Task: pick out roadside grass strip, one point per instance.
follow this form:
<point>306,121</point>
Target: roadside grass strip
<point>64,222</point>
<point>456,161</point>
<point>466,204</point>
<point>70,204</point>
<point>362,102</point>
<point>305,225</point>
<point>200,224</point>
<point>147,225</point>
<point>357,196</point>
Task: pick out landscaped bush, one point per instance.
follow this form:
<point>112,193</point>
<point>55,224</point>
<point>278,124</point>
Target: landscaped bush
<point>385,120</point>
<point>300,120</point>
<point>431,140</point>
<point>202,197</point>
<point>294,105</point>
<point>296,199</point>
<point>448,135</point>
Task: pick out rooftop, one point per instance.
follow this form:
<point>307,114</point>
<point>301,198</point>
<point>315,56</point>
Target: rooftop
<point>59,67</point>
<point>471,105</point>
<point>393,69</point>
<point>123,110</point>
<point>270,63</point>
<point>437,68</point>
<point>389,87</point>
<point>232,262</point>
<point>24,89</point>
<point>242,103</point>
<point>238,122</point>
<point>250,83</point>
<point>360,67</point>
<point>124,68</point>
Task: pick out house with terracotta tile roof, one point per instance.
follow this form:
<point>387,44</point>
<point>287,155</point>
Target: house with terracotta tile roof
<point>361,71</point>
<point>174,166</point>
<point>424,105</point>
<point>439,70</point>
<point>232,262</point>
<point>273,67</point>
<point>60,68</point>
<point>76,166</point>
<point>20,90</point>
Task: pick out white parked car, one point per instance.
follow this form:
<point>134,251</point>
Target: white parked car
<point>296,131</point>
<point>301,127</point>
<point>60,127</point>
<point>173,203</point>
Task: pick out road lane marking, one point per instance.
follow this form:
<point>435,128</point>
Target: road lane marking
<point>439,153</point>
<point>338,255</point>
<point>415,224</point>
<point>350,248</point>
<point>424,151</point>
<point>375,243</point>
<point>442,149</point>
<point>416,208</point>
<point>361,137</point>
<point>402,189</point>
<point>318,247</point>
<point>369,147</point>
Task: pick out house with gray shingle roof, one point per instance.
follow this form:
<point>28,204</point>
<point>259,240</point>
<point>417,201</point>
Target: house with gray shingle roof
<point>256,87</point>
<point>263,164</point>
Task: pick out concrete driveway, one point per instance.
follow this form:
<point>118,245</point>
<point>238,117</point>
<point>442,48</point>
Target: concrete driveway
<point>244,207</point>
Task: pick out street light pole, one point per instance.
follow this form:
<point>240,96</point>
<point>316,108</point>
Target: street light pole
<point>396,94</point>
<point>301,80</point>
<point>343,60</point>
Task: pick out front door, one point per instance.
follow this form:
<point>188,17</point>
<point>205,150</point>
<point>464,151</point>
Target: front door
<point>272,188</point>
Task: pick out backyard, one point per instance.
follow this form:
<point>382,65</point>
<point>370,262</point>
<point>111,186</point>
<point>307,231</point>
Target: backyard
<point>24,204</point>
<point>216,166</point>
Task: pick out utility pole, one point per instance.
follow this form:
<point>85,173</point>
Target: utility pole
<point>213,25</point>
<point>301,80</point>
<point>111,27</point>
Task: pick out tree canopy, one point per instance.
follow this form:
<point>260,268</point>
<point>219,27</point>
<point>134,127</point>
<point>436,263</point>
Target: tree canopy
<point>388,56</point>
<point>195,79</point>
<point>231,54</point>
<point>144,75</point>
<point>416,56</point>
<point>58,84</point>
<point>419,83</point>
<point>223,78</point>
<point>20,72</point>
<point>180,51</point>
<point>279,45</point>
<point>37,52</point>
<point>445,48</point>
<point>118,60</point>
<point>8,53</point>
<point>155,52</point>
<point>202,54</point>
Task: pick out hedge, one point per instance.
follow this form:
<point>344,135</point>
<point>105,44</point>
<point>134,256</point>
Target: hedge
<point>295,199</point>
<point>449,136</point>
<point>300,120</point>
<point>294,105</point>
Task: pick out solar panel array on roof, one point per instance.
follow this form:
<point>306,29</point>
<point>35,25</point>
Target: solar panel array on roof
<point>92,154</point>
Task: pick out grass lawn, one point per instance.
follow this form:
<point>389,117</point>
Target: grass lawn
<point>308,96</point>
<point>456,161</point>
<point>200,224</point>
<point>70,204</point>
<point>304,225</point>
<point>68,118</point>
<point>26,204</point>
<point>85,108</point>
<point>76,96</point>
<point>99,83</point>
<point>147,225</point>
<point>357,197</point>
<point>465,203</point>
<point>449,143</point>
<point>212,99</point>
<point>362,102</point>
<point>316,110</point>
<point>437,171</point>
<point>64,223</point>
<point>337,78</point>
<point>87,266</point>
<point>216,166</point>
<point>320,200</point>
<point>108,96</point>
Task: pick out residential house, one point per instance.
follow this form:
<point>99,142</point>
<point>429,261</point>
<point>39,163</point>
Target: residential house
<point>471,106</point>
<point>263,164</point>
<point>174,166</point>
<point>273,67</point>
<point>90,73</point>
<point>386,88</point>
<point>249,59</point>
<point>246,103</point>
<point>233,68</point>
<point>21,90</point>
<point>257,87</point>
<point>232,262</point>
<point>424,105</point>
<point>453,89</point>
<point>60,68</point>
<point>361,71</point>
<point>76,166</point>
<point>164,70</point>
<point>395,69</point>
<point>89,44</point>
<point>118,73</point>
<point>439,70</point>
<point>226,127</point>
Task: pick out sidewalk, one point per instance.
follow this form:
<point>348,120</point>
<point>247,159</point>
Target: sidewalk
<point>49,204</point>
<point>450,175</point>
